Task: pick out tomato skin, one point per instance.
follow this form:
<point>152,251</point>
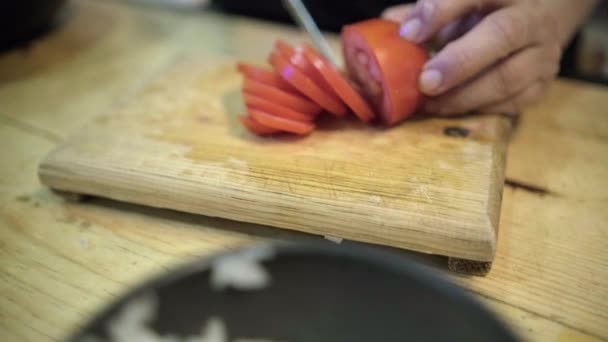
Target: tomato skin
<point>264,75</point>
<point>295,102</point>
<point>296,57</point>
<point>306,86</point>
<point>255,127</point>
<point>281,123</point>
<point>398,62</point>
<point>340,84</point>
<point>274,108</point>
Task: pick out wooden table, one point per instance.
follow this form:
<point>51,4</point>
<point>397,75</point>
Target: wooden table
<point>61,261</point>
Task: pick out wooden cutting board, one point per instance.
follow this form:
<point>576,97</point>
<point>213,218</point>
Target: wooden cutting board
<point>429,185</point>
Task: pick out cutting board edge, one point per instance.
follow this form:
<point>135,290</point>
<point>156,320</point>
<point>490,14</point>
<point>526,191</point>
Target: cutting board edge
<point>60,176</point>
<point>504,129</point>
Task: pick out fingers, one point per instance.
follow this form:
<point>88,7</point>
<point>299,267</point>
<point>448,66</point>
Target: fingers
<point>495,37</point>
<point>516,103</point>
<point>502,81</point>
<point>397,13</point>
<point>430,16</point>
<point>459,27</point>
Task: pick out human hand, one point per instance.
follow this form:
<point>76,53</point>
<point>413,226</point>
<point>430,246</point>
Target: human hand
<point>500,54</point>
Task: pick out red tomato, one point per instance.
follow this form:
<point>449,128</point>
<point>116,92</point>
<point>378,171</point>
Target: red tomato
<point>273,108</point>
<point>306,86</point>
<point>255,127</point>
<point>281,97</point>
<point>340,84</point>
<point>385,66</point>
<point>296,57</point>
<point>280,123</point>
<point>263,75</point>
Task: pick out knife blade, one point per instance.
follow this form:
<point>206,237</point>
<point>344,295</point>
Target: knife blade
<point>302,17</point>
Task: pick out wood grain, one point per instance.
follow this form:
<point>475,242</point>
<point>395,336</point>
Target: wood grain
<point>178,144</point>
<point>62,261</point>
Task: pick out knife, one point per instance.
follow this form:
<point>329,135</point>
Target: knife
<point>302,17</point>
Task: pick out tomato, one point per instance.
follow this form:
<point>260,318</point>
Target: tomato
<point>306,86</point>
<point>263,75</point>
<point>383,71</point>
<point>271,107</point>
<point>340,84</point>
<point>296,57</point>
<point>281,123</point>
<point>255,127</point>
<point>295,102</point>
<point>386,67</point>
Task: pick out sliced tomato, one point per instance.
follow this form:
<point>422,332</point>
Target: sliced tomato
<point>281,123</point>
<point>296,57</point>
<point>306,86</point>
<point>264,75</point>
<point>255,127</point>
<point>340,84</point>
<point>385,66</point>
<point>270,107</point>
<point>295,102</point>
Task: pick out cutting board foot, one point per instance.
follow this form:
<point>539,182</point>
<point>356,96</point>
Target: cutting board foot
<point>71,196</point>
<point>470,267</point>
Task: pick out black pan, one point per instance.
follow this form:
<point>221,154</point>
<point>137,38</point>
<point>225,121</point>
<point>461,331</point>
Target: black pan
<point>319,293</point>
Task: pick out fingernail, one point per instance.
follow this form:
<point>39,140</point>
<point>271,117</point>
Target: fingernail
<point>430,81</point>
<point>411,29</point>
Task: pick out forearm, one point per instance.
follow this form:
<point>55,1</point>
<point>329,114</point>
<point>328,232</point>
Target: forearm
<point>569,15</point>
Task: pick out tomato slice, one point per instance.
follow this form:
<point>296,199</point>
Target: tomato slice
<point>340,84</point>
<point>255,127</point>
<point>273,108</point>
<point>296,57</point>
<point>264,75</point>
<point>306,86</point>
<point>295,102</point>
<point>281,123</point>
<point>386,67</point>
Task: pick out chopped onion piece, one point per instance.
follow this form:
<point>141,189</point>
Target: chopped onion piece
<point>241,271</point>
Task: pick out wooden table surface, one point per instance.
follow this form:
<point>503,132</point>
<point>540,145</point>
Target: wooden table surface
<point>61,261</point>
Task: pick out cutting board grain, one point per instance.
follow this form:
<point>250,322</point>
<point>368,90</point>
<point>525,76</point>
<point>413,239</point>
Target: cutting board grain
<point>430,185</point>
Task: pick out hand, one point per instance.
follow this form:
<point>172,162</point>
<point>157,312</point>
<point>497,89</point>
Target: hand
<point>500,55</point>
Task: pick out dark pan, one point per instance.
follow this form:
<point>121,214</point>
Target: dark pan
<point>319,293</point>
